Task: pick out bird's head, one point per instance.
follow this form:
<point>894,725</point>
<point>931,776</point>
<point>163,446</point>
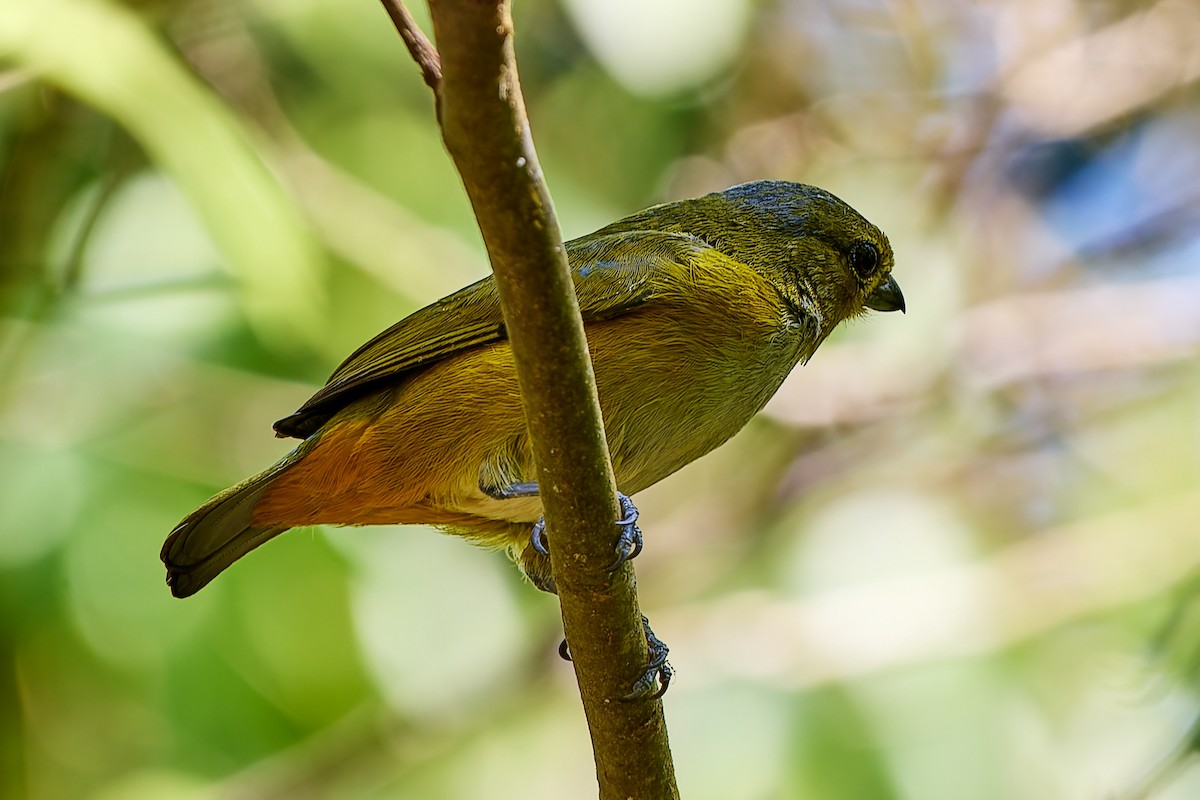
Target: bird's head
<point>822,256</point>
<point>815,249</point>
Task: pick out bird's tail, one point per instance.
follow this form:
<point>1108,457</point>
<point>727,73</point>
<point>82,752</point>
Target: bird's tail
<point>218,533</point>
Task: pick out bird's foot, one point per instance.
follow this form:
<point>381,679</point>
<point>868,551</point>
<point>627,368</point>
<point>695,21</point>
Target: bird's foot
<point>658,673</point>
<point>629,542</point>
<point>657,676</point>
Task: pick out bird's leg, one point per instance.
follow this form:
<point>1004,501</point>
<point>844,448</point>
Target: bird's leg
<point>535,562</point>
<point>537,537</point>
<point>512,491</point>
<point>629,542</point>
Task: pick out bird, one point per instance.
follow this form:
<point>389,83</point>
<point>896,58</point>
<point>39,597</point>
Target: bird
<point>695,311</point>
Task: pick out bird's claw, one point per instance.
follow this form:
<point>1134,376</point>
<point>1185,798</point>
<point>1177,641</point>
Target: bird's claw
<point>537,537</point>
<point>655,678</point>
<point>658,673</point>
<point>629,542</point>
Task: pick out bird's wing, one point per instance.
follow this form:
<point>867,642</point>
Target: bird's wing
<point>612,274</point>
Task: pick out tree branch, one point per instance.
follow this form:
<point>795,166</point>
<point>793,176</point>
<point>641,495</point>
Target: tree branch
<point>486,130</point>
<point>419,47</point>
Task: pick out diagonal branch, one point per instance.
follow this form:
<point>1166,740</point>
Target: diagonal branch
<point>419,47</point>
<point>486,130</point>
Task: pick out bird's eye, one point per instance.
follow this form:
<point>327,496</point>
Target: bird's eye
<point>864,259</point>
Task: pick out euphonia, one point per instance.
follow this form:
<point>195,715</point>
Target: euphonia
<point>695,311</point>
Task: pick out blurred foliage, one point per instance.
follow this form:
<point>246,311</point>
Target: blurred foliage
<point>955,558</point>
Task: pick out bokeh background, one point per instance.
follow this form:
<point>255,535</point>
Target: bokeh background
<point>953,559</point>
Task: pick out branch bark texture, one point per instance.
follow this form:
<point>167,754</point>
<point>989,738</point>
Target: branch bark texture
<point>486,130</point>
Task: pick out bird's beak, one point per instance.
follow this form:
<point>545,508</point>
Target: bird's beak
<point>887,297</point>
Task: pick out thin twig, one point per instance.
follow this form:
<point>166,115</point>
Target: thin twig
<point>419,47</point>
